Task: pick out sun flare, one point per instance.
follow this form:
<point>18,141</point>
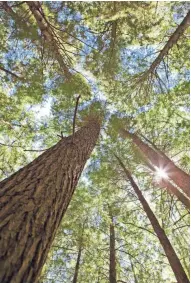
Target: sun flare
<point>161,173</point>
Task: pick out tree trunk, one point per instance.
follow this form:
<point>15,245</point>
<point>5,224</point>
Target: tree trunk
<point>162,161</point>
<point>175,191</point>
<point>165,183</point>
<point>34,200</point>
<point>112,265</point>
<point>170,43</point>
<point>8,9</point>
<point>134,274</point>
<point>77,265</point>
<point>49,36</point>
<point>174,261</point>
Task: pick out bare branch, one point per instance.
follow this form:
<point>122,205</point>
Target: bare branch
<point>75,111</point>
<point>10,73</point>
<point>17,146</point>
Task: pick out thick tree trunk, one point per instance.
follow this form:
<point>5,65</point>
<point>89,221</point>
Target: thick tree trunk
<point>112,265</point>
<point>48,34</point>
<point>174,261</point>
<point>159,160</point>
<point>77,266</point>
<point>172,41</point>
<point>34,200</point>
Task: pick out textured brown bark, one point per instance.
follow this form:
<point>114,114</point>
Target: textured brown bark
<point>77,266</point>
<point>174,261</point>
<point>112,264</point>
<point>48,34</point>
<point>172,41</point>
<point>180,178</point>
<point>34,200</point>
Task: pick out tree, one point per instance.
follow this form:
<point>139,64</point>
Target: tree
<point>34,200</point>
<point>172,41</point>
<point>75,279</point>
<point>172,189</point>
<point>77,266</point>
<point>133,58</point>
<point>164,182</point>
<point>170,253</point>
<point>160,160</point>
<point>49,36</point>
<point>112,266</point>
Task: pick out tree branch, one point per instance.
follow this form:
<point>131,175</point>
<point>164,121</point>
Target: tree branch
<point>18,146</point>
<point>171,42</point>
<point>10,73</point>
<point>75,111</point>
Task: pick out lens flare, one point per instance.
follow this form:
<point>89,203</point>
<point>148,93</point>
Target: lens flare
<point>160,173</point>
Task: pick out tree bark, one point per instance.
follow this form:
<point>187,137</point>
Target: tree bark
<point>48,34</point>
<point>173,259</point>
<point>112,264</point>
<point>162,161</point>
<point>172,41</point>
<point>34,200</point>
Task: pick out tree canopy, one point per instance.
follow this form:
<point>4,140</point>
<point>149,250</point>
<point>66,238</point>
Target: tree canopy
<point>127,62</point>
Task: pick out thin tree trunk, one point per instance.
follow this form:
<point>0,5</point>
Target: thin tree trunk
<point>175,191</point>
<point>112,265</point>
<point>77,265</point>
<point>174,261</point>
<point>47,31</point>
<point>16,17</point>
<point>48,34</point>
<point>170,43</point>
<point>181,178</point>
<point>8,9</point>
<point>34,200</point>
<point>165,183</point>
<point>132,267</point>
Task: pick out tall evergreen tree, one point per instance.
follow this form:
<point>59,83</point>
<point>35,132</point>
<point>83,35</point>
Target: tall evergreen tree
<point>161,161</point>
<point>134,58</point>
<point>112,265</point>
<point>34,200</point>
<point>170,253</point>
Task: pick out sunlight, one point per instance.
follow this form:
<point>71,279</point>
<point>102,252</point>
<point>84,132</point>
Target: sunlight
<point>161,173</point>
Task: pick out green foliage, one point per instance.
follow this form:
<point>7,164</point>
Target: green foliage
<point>107,47</point>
